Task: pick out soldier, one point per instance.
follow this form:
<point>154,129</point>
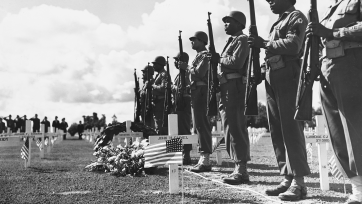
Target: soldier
<point>2,126</point>
<point>80,129</point>
<point>183,111</point>
<point>283,53</point>
<point>36,123</point>
<point>10,123</point>
<point>159,88</point>
<point>198,74</point>
<point>23,124</point>
<point>46,124</point>
<point>146,72</point>
<point>341,85</point>
<point>18,123</point>
<point>231,73</point>
<point>56,123</point>
<point>63,126</point>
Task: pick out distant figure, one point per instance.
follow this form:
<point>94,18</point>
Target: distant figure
<point>18,122</point>
<point>80,129</point>
<point>23,124</point>
<point>56,123</point>
<point>36,123</point>
<point>63,126</point>
<point>10,123</point>
<point>2,126</point>
<point>46,124</point>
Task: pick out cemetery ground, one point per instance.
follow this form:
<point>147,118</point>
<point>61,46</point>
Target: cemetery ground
<point>60,178</point>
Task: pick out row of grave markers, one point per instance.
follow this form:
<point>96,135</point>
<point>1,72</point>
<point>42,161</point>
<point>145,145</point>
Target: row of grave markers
<point>10,139</point>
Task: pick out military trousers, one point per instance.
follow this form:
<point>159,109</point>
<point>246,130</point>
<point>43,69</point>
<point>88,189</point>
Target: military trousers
<point>184,121</point>
<point>202,123</point>
<point>286,133</point>
<point>234,121</point>
<point>158,114</point>
<point>341,97</point>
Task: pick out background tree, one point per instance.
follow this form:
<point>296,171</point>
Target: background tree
<point>73,129</point>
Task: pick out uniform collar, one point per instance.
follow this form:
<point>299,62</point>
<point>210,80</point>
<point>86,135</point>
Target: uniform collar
<point>287,12</point>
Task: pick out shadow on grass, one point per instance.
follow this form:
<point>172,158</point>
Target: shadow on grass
<point>328,199</point>
<point>160,171</point>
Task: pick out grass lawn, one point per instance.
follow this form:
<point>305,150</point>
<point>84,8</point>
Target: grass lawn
<point>60,178</point>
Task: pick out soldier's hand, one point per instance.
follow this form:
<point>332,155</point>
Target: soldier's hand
<point>318,29</point>
<point>256,41</point>
<point>182,65</point>
<point>214,58</point>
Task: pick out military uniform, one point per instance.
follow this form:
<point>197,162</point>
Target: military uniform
<point>198,75</point>
<point>147,121</point>
<point>184,113</point>
<point>231,74</point>
<point>10,124</point>
<point>159,89</point>
<point>2,127</point>
<point>341,84</point>
<point>283,52</point>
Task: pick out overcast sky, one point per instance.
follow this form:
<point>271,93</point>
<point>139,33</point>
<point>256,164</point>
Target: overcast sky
<point>73,57</point>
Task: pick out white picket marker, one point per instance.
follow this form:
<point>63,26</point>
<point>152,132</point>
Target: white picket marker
<point>173,168</point>
<point>126,136</point>
<point>216,137</point>
<point>322,154</point>
<point>42,141</point>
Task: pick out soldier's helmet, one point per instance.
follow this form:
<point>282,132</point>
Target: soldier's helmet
<point>202,36</point>
<point>160,60</point>
<point>236,15</point>
<point>148,68</point>
<point>185,57</point>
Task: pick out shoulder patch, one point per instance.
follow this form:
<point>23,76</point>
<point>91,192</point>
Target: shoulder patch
<point>299,20</point>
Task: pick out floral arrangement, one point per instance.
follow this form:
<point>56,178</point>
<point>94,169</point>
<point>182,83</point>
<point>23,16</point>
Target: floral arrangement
<point>120,160</point>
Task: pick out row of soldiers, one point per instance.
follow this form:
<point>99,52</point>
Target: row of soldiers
<point>18,124</point>
<point>341,95</point>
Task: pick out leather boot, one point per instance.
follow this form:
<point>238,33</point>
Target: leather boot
<point>239,176</point>
<point>356,197</point>
<point>203,165</point>
<point>281,188</point>
<point>295,192</point>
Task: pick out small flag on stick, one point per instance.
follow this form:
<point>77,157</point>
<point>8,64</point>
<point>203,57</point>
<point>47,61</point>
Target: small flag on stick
<point>333,168</point>
<point>220,145</point>
<point>24,152</point>
<point>168,152</point>
<point>39,143</point>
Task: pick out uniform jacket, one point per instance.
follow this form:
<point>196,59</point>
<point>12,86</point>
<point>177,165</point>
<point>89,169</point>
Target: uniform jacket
<point>159,86</point>
<point>2,127</point>
<point>199,67</point>
<point>345,19</point>
<point>287,35</point>
<point>46,125</point>
<point>55,124</point>
<point>36,123</point>
<point>234,56</point>
<point>10,123</point>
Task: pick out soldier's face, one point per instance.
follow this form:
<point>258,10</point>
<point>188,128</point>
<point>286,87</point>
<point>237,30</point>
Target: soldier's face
<point>196,43</point>
<point>230,26</point>
<point>276,5</point>
<point>157,67</point>
<point>176,63</point>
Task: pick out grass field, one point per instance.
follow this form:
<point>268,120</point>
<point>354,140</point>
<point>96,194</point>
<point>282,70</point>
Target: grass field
<point>60,178</point>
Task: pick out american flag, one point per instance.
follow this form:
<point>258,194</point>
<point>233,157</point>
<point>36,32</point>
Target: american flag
<point>309,148</point>
<point>333,168</point>
<point>46,141</point>
<point>168,152</point>
<point>24,152</point>
<point>39,143</point>
<point>220,145</point>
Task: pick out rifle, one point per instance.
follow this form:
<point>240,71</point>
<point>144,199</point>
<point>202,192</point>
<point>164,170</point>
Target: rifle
<point>137,99</point>
<point>212,80</point>
<point>309,73</point>
<point>168,100</point>
<point>179,99</point>
<point>253,74</point>
<point>148,101</point>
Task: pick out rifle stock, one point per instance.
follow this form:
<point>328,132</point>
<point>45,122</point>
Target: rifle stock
<point>213,81</point>
<point>168,99</point>
<point>179,99</point>
<point>137,99</point>
<point>309,72</point>
<point>253,72</point>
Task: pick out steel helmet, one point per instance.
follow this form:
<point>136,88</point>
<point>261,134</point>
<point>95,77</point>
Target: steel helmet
<point>148,68</point>
<point>236,15</point>
<point>160,60</point>
<point>185,57</point>
<point>201,36</point>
